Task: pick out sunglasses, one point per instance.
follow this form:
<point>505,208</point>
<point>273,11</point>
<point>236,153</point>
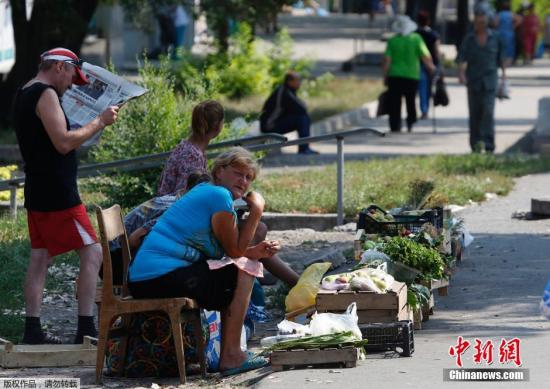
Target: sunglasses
<point>73,62</point>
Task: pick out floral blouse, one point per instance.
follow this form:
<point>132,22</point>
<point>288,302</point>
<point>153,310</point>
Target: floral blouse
<point>185,159</point>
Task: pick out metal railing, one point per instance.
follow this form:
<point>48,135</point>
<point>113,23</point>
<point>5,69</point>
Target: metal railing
<point>158,160</point>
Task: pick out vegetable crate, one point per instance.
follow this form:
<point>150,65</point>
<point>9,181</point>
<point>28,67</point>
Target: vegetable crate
<point>412,223</point>
<point>371,307</point>
<point>398,337</point>
<point>324,357</point>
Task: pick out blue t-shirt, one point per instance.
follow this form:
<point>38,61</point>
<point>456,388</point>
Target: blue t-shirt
<point>183,234</point>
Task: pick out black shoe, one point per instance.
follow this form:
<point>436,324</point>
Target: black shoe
<point>308,151</point>
<point>44,339</point>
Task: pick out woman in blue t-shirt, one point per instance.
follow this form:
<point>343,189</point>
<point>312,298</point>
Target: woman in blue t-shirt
<point>202,225</point>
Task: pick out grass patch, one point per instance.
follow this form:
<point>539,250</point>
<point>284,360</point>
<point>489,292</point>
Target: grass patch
<point>339,95</point>
<point>385,182</point>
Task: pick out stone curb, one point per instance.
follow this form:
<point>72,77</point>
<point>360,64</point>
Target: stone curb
<point>292,221</point>
<point>342,121</point>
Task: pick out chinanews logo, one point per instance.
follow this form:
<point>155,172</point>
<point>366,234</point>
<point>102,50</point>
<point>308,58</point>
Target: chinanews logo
<point>508,353</point>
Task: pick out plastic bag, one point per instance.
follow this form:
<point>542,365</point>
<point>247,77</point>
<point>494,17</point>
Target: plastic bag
<point>212,351</point>
<point>332,323</point>
<point>336,281</point>
<point>503,89</point>
<point>383,104</point>
<point>545,302</point>
<point>289,327</point>
<point>304,292</point>
<point>213,320</point>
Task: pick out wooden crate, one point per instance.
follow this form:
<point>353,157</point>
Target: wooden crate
<point>457,250</point>
<point>441,285</point>
<point>47,355</point>
<point>343,357</point>
<point>371,307</point>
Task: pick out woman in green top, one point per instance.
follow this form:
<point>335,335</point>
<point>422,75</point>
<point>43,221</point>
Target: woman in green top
<point>401,68</point>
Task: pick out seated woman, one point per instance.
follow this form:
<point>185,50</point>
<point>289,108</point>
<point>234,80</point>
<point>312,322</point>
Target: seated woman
<point>190,156</point>
<point>172,261</point>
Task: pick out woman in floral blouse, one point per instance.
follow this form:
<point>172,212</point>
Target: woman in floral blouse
<point>190,155</point>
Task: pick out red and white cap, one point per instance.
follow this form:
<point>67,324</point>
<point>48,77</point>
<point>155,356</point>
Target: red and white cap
<point>66,55</point>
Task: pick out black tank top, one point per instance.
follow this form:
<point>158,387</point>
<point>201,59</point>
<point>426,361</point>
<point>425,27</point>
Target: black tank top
<point>50,177</point>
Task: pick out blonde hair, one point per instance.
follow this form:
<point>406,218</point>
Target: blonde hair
<point>236,156</point>
<point>206,117</point>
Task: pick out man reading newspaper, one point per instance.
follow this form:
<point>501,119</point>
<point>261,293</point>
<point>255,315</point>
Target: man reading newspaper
<point>57,220</point>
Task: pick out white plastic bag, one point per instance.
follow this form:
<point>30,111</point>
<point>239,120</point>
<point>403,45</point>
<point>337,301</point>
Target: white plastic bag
<point>289,327</point>
<point>332,323</point>
<point>503,89</point>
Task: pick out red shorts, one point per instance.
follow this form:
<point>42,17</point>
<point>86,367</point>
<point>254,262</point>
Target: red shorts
<point>60,231</point>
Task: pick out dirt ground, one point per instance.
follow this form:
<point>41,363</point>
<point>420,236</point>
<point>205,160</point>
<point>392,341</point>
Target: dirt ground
<point>299,248</point>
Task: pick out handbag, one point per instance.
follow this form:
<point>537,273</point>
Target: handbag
<point>383,104</point>
<point>441,97</point>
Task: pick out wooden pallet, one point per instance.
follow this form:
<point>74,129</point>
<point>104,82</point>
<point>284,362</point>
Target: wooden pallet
<point>286,359</point>
<point>47,355</point>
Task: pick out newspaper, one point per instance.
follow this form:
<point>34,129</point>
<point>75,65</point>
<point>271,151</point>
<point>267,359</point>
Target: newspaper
<point>84,103</point>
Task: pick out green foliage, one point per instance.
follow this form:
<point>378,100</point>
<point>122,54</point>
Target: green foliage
<point>415,255</point>
<point>280,59</point>
<point>417,295</point>
<point>243,70</point>
<point>153,123</point>
<point>246,69</point>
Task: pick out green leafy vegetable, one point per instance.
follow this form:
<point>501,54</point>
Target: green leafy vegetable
<point>308,342</point>
<point>415,255</point>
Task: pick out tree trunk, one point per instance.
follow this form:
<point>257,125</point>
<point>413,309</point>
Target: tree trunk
<point>60,23</point>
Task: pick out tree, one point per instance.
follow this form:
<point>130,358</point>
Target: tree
<point>221,13</point>
<point>60,23</point>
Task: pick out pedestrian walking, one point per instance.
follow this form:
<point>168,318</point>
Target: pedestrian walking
<point>401,68</point>
<point>480,55</point>
<point>431,39</point>
<point>531,29</point>
<point>57,220</point>
<point>507,22</point>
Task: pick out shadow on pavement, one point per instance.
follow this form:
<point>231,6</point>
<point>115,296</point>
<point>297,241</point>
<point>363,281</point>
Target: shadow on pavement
<point>497,288</point>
